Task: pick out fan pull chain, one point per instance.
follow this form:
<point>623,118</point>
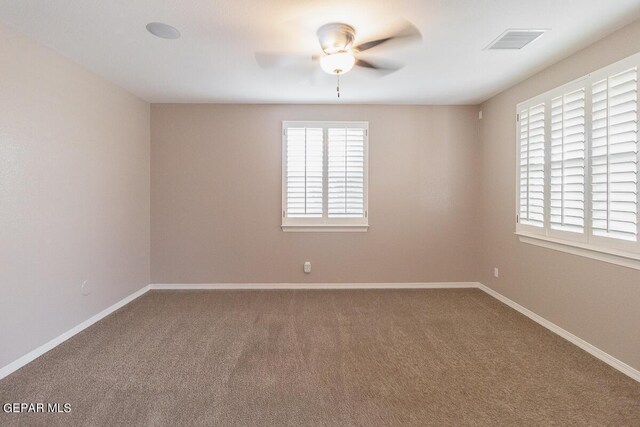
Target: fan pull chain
<point>338,87</point>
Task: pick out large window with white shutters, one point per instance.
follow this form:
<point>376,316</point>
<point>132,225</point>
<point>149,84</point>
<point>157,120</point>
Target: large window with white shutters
<point>578,166</point>
<point>325,176</point>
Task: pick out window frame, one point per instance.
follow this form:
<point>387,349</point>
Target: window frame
<point>616,251</point>
<point>325,224</point>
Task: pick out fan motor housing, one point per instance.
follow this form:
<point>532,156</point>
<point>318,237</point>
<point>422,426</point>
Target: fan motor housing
<point>336,37</point>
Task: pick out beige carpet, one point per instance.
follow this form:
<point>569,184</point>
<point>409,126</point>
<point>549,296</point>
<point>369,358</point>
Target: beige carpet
<point>322,357</point>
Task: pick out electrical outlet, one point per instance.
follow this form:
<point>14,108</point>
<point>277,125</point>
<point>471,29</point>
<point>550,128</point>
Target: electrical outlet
<point>85,288</point>
<point>307,267</point>
<point>496,272</point>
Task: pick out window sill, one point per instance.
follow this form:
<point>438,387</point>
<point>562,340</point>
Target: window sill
<point>613,256</point>
<point>322,228</point>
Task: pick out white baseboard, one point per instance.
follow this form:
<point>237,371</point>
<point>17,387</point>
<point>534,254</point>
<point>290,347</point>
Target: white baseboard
<point>589,348</point>
<point>417,285</point>
<point>19,363</point>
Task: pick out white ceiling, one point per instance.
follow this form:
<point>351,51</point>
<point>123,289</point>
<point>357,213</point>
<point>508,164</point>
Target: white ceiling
<point>214,61</point>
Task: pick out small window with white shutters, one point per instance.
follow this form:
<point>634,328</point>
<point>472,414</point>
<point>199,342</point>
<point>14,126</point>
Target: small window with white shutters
<point>578,165</point>
<point>325,176</point>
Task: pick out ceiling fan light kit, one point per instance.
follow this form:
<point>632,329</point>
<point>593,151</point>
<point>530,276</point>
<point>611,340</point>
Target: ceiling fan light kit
<point>336,40</point>
<point>337,63</point>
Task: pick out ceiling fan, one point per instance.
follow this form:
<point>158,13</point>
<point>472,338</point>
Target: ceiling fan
<point>339,54</point>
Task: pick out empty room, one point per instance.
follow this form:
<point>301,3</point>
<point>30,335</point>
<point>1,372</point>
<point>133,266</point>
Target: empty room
<point>319,213</point>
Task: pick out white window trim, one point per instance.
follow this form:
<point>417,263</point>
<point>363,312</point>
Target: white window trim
<point>614,251</point>
<point>325,224</point>
<point>325,228</point>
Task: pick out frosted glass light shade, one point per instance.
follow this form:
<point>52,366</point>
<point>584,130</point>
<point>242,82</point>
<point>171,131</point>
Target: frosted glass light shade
<point>337,63</point>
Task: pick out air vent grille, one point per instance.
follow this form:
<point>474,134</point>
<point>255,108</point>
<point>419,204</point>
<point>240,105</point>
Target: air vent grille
<point>515,39</point>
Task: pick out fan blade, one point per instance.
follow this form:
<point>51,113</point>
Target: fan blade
<point>407,33</point>
<point>274,59</point>
<point>383,69</point>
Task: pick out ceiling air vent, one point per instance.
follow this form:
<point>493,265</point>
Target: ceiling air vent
<point>515,39</point>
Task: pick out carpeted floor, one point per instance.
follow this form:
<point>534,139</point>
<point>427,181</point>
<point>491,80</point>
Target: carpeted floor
<point>321,357</point>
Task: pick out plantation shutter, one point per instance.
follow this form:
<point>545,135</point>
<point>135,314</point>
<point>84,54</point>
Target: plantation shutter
<point>614,156</point>
<point>346,172</point>
<point>568,151</point>
<point>532,139</point>
<point>304,172</point>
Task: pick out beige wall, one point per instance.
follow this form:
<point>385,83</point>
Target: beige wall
<point>596,301</point>
<point>74,195</point>
<point>216,197</point>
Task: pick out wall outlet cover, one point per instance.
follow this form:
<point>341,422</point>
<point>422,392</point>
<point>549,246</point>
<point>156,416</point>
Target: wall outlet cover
<point>85,289</point>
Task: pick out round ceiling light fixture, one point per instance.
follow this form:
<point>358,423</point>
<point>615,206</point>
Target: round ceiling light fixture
<point>162,30</point>
<point>337,63</point>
